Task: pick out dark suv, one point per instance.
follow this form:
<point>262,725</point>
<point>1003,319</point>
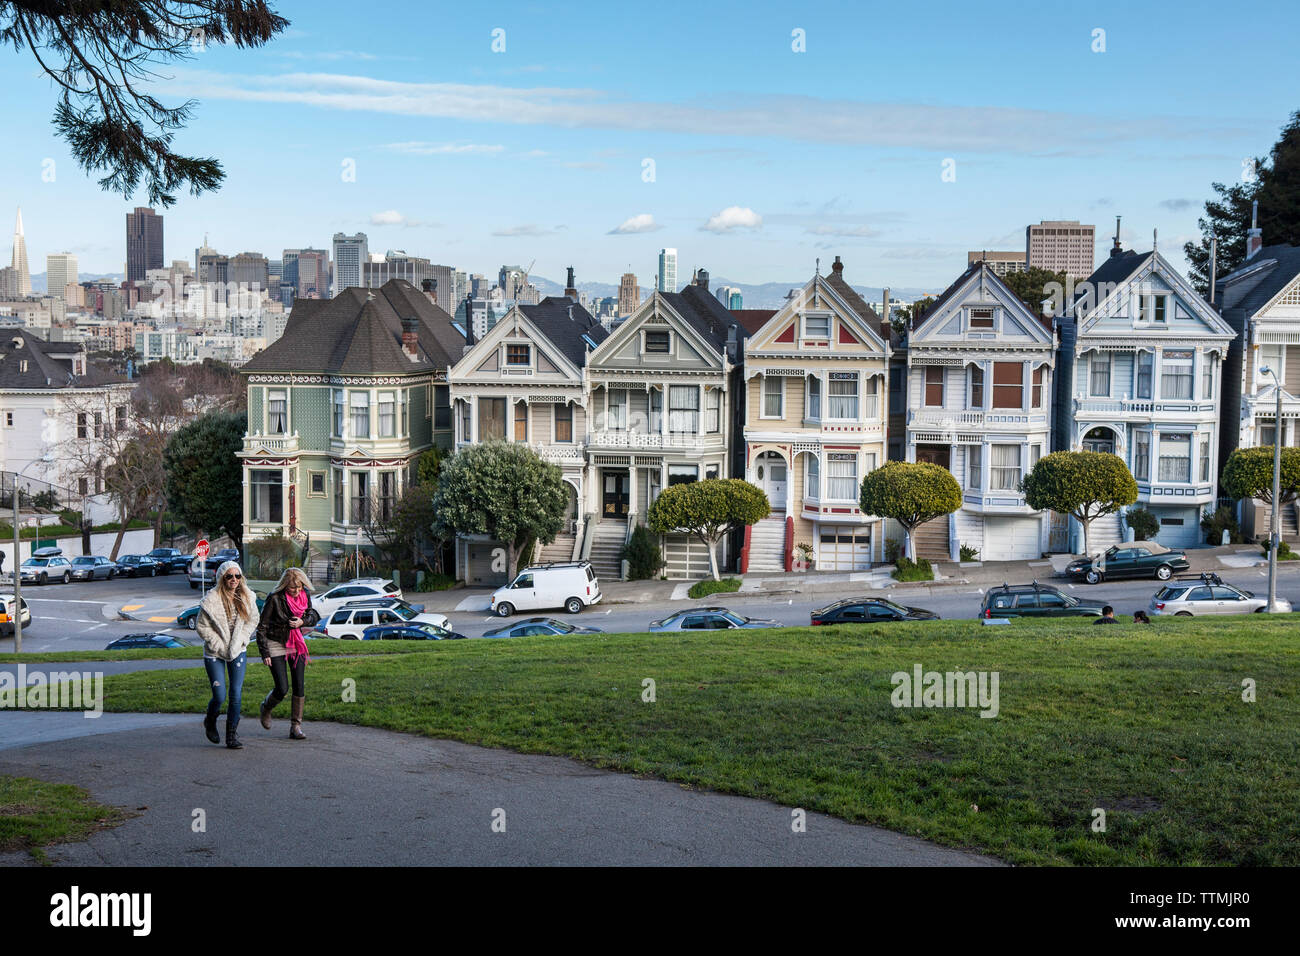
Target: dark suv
<point>1036,600</point>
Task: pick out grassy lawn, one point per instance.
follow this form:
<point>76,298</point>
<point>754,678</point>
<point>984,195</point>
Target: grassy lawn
<point>317,648</point>
<point>1146,723</point>
<point>704,588</point>
<point>35,814</point>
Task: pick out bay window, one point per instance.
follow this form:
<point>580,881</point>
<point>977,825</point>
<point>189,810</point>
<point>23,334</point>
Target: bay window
<point>403,401</point>
<point>491,419</point>
<point>277,415</point>
<point>387,420</point>
<point>1004,467</point>
<point>871,397</point>
<point>1145,361</point>
<point>1175,457</point>
<point>1142,456</point>
<point>1176,373</point>
<point>773,393</point>
<point>842,477</point>
<point>812,479</point>
<point>338,495</point>
<point>714,410</point>
<point>814,397</point>
<point>975,467</point>
<point>683,474</point>
<point>360,497</point>
<point>360,402</point>
<point>387,494</point>
<point>684,409</point>
<point>265,498</point>
<point>1008,385</point>
<point>843,396</point>
<point>438,399</point>
<point>1205,458</point>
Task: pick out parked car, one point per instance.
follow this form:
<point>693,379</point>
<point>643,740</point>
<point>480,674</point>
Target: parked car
<point>7,613</point>
<point>1207,594</point>
<point>1036,600</point>
<point>159,639</point>
<point>538,626</point>
<point>89,567</point>
<point>351,620</point>
<point>137,566</point>
<point>171,559</point>
<point>46,565</point>
<point>189,618</point>
<point>709,619</point>
<point>412,631</point>
<point>1136,559</point>
<point>358,589</point>
<point>869,610</point>
<point>571,585</point>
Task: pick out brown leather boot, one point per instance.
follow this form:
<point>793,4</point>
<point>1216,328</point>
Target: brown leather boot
<point>264,711</point>
<point>295,723</point>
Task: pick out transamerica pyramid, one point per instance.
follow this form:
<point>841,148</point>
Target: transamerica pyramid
<point>21,271</point>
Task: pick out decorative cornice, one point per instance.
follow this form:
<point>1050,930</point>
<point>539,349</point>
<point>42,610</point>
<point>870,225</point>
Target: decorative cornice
<point>375,380</point>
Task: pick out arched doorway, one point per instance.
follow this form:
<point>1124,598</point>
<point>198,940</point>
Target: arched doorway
<point>1099,439</point>
<point>772,475</point>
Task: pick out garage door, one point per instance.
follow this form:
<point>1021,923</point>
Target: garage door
<point>686,557</point>
<point>1179,528</point>
<point>1012,539</point>
<point>483,563</point>
<point>844,547</point>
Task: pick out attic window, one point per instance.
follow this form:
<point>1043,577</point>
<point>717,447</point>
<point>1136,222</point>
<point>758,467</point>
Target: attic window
<point>518,355</point>
<point>981,318</point>
<point>657,342</point>
<point>817,327</point>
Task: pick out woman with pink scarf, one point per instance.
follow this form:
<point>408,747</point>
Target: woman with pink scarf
<point>286,613</point>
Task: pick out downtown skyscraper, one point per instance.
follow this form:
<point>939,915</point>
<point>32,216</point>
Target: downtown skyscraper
<point>350,254</point>
<point>22,275</point>
<point>667,270</point>
<point>144,243</point>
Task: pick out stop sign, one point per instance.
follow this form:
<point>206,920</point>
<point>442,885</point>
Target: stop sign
<point>201,549</point>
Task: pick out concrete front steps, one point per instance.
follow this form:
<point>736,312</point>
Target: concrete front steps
<point>767,545</point>
<point>607,549</point>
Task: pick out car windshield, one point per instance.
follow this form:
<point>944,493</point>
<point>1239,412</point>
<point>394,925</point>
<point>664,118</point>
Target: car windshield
<point>83,561</point>
<point>735,619</point>
<point>36,563</point>
<point>559,626</point>
<point>404,611</point>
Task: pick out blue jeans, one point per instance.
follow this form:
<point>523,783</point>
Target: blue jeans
<point>232,678</point>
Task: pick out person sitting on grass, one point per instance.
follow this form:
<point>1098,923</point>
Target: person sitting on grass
<point>1140,617</point>
<point>1107,616</point>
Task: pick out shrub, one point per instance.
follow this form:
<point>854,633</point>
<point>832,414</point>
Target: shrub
<point>892,550</point>
<point>355,564</point>
<point>269,556</point>
<point>1284,552</point>
<point>46,501</point>
<point>704,588</point>
<point>909,570</point>
<point>1145,525</point>
<point>642,555</point>
<point>1215,524</point>
<point>969,554</point>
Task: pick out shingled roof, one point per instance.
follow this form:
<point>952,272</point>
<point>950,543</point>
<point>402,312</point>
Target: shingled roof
<point>1254,283</point>
<point>1035,308</point>
<point>564,323</point>
<point>28,362</point>
<point>706,315</point>
<point>359,332</point>
<point>845,291</point>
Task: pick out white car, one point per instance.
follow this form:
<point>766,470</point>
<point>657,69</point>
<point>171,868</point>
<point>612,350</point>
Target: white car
<point>351,620</point>
<point>1208,594</point>
<point>7,613</point>
<point>571,585</point>
<point>358,589</point>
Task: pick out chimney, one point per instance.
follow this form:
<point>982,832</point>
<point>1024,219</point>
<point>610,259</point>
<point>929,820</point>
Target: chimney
<point>410,338</point>
<point>430,287</point>
<point>1115,250</point>
<point>886,328</point>
<point>837,267</point>
<point>1254,235</point>
<point>569,288</point>
<point>469,321</point>
<point>702,279</point>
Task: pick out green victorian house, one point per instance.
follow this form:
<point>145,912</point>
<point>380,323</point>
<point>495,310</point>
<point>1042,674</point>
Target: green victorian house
<point>339,409</point>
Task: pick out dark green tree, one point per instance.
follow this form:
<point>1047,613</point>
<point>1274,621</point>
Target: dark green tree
<point>1034,285</point>
<point>708,509</point>
<point>1248,473</point>
<point>205,476</point>
<point>1083,484</point>
<point>911,493</point>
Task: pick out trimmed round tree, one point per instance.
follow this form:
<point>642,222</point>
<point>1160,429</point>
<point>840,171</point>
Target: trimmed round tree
<point>1248,473</point>
<point>911,493</point>
<point>504,490</point>
<point>708,509</point>
<point>1083,484</point>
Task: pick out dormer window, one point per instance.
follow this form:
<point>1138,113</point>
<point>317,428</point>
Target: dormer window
<point>657,343</point>
<point>817,327</point>
<point>981,318</point>
<point>519,355</point>
<point>1153,308</point>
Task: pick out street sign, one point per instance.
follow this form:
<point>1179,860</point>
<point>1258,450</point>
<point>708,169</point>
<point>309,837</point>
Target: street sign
<point>201,549</point>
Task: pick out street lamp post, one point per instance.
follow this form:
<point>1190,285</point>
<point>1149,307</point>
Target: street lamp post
<point>1275,535</point>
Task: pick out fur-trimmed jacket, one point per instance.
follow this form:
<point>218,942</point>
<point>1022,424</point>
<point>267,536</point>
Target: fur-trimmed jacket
<point>220,640</point>
<point>273,628</point>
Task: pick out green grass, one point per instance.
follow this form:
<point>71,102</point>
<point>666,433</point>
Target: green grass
<point>1147,723</point>
<point>704,588</point>
<point>35,814</point>
<point>317,647</point>
<point>906,569</point>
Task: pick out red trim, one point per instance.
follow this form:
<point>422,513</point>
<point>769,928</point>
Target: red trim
<point>789,542</point>
<point>744,550</point>
<point>847,337</point>
<point>787,335</point>
<point>839,511</point>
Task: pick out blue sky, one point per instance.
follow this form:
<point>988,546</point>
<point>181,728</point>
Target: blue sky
<point>475,158</point>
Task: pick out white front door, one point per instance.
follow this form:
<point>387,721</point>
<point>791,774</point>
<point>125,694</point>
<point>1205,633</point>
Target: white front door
<point>771,473</point>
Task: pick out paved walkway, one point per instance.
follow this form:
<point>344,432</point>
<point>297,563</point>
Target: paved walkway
<point>363,797</point>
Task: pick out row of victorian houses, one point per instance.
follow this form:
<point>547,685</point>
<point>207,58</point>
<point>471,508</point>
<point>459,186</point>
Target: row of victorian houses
<point>802,401</point>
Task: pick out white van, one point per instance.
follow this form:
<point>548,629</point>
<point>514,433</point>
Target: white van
<point>571,586</point>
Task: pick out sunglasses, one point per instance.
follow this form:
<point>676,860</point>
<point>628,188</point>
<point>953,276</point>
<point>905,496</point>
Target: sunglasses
<point>234,577</point>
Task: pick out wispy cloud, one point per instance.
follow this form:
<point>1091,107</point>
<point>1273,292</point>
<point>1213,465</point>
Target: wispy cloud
<point>526,230</point>
<point>417,148</point>
<point>391,217</point>
<point>1176,205</point>
<point>732,218</point>
<point>645,222</point>
<point>859,232</point>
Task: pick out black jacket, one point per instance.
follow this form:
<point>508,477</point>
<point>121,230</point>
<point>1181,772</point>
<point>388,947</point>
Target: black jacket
<point>273,625</point>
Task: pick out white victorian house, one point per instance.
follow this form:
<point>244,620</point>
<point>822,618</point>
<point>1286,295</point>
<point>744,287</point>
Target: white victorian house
<point>523,382</point>
<point>1138,376</point>
<point>979,376</point>
<point>816,384</point>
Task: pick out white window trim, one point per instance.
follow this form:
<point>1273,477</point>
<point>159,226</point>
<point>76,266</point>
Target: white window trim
<point>505,351</point>
<point>656,356</point>
<point>996,327</point>
<point>806,336</point>
<point>324,483</point>
<point>762,407</point>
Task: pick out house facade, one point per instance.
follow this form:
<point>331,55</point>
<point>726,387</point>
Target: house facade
<point>978,392</point>
<point>339,408</point>
<point>1138,376</point>
<point>523,382</point>
<point>816,382</point>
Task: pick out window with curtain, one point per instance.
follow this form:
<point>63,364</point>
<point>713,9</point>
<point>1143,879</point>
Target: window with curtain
<point>814,397</point>
<point>842,400</point>
<point>1176,373</point>
<point>934,386</point>
<point>277,414</point>
<point>1145,362</point>
<point>338,495</point>
<point>360,402</point>
<point>360,497</point>
<point>1142,456</point>
<point>387,494</point>
<point>1208,369</point>
<point>616,409</point>
<point>563,422</point>
<point>404,403</point>
<point>975,467</point>
<point>1008,385</point>
<point>976,386</point>
<point>521,421</point>
<point>387,416</point>
<point>1272,357</point>
<point>491,418</point>
<point>871,397</point>
<point>1036,386</point>
<point>1004,467</point>
<point>656,410</point>
<point>683,409</point>
<point>1205,458</point>
<point>773,390</point>
<point>842,477</point>
<point>1175,457</point>
<point>1099,375</point>
<point>812,481</point>
<point>714,409</point>
<point>265,496</point>
<point>466,421</point>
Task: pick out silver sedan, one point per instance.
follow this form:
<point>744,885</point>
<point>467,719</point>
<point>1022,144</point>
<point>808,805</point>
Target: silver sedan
<point>709,619</point>
<point>1197,598</point>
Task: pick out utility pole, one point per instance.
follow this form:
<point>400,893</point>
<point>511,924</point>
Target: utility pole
<point>1275,535</point>
<point>18,579</point>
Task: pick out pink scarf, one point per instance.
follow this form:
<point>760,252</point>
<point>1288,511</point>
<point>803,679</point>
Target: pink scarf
<point>295,645</point>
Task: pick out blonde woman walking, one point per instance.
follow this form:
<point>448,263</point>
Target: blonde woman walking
<point>227,621</point>
<point>286,613</point>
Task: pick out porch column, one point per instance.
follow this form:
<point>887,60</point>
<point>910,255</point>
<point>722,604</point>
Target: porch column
<point>789,484</point>
<point>631,487</point>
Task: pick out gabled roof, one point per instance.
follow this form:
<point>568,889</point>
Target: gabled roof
<point>706,315</point>
<point>1114,270</point>
<point>564,323</point>
<point>751,320</point>
<point>47,366</point>
<point>845,291</point>
<point>989,277</point>
<point>1257,281</point>
<point>359,332</point>
<point>1121,268</point>
<point>945,295</point>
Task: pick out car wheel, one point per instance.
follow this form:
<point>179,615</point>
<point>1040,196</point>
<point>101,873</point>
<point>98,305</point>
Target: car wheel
<point>193,623</point>
<point>1262,610</point>
<point>505,609</point>
<point>1183,614</point>
<point>67,577</point>
<point>1164,572</point>
<point>1093,577</point>
<point>43,580</point>
<point>573,605</point>
<point>194,585</point>
<point>112,575</point>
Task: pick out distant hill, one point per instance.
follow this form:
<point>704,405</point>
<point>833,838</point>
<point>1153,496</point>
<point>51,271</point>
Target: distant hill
<point>768,295</point>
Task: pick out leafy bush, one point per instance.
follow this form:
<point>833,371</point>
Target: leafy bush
<point>909,570</point>
<point>893,549</point>
<point>1145,525</point>
<point>969,554</point>
<point>269,556</point>
<point>355,564</point>
<point>1284,552</point>
<point>642,555</point>
<point>1214,525</point>
<point>704,588</point>
<point>46,501</point>
<point>437,582</point>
